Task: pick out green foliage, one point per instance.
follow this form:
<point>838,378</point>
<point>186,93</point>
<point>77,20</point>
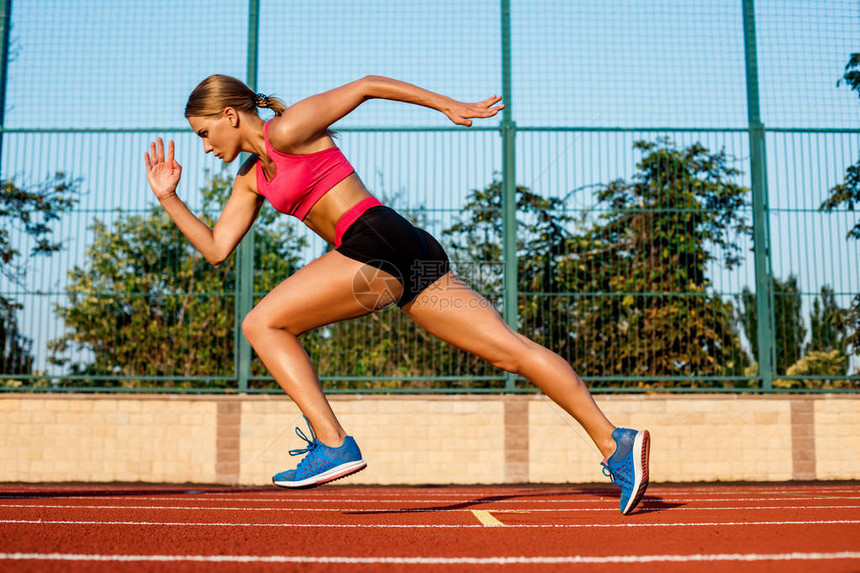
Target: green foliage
<point>542,235</point>
<point>852,74</point>
<point>27,211</point>
<point>16,355</point>
<point>30,210</point>
<point>825,354</point>
<point>851,321</point>
<point>827,324</point>
<point>544,229</point>
<point>819,363</point>
<point>146,304</point>
<point>647,257</point>
<point>625,294</point>
<point>788,321</point>
<point>680,201</point>
<point>848,193</point>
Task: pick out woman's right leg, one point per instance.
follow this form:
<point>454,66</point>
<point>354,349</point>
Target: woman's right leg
<point>450,310</point>
<point>329,289</point>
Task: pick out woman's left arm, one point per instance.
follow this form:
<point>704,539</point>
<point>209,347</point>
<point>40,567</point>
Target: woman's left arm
<point>307,120</point>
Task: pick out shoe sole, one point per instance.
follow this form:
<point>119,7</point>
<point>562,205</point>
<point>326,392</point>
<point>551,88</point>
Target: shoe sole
<point>331,475</point>
<point>641,451</point>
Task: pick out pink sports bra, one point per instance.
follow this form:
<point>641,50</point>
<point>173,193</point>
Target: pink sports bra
<point>301,180</point>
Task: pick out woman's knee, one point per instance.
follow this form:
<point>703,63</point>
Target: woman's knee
<point>252,325</point>
<point>257,323</point>
<point>515,357</point>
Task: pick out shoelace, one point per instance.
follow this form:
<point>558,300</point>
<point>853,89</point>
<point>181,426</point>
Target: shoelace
<point>618,478</point>
<point>312,445</point>
<point>607,472</point>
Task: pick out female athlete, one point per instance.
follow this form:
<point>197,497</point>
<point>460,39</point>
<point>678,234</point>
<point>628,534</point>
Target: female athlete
<point>295,164</point>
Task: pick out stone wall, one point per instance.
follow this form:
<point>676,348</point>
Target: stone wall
<point>438,439</point>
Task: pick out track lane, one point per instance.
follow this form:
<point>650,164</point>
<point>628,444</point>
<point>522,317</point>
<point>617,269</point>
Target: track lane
<point>377,523</point>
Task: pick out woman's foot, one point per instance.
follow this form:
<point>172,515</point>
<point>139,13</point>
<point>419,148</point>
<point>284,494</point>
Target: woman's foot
<point>321,463</point>
<point>628,466</point>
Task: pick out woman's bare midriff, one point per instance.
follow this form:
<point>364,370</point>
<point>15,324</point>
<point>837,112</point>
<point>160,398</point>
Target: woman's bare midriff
<point>324,215</point>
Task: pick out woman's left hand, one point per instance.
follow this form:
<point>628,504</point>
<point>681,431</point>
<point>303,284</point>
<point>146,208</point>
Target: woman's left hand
<point>460,112</point>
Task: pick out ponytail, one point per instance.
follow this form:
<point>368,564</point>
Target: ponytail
<point>271,103</point>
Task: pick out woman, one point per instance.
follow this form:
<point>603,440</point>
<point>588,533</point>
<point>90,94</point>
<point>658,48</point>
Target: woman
<point>295,164</point>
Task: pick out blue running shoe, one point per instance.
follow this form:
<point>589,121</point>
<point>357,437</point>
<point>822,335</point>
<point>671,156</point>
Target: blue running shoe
<point>321,463</point>
<point>628,466</point>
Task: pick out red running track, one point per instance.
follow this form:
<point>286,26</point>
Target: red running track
<point>703,528</point>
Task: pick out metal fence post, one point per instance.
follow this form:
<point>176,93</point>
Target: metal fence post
<point>761,225</point>
<point>244,300</point>
<point>5,26</point>
<point>509,188</point>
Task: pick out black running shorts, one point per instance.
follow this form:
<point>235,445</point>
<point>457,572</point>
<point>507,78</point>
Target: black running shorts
<point>382,238</point>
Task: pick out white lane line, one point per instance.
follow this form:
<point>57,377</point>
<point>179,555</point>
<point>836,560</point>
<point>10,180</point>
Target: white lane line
<point>426,526</point>
<point>376,510</point>
<point>696,557</point>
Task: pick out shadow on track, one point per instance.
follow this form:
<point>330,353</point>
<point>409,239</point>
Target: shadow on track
<point>649,503</point>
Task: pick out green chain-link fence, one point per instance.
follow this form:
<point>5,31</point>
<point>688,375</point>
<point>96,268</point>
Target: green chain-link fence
<point>652,204</point>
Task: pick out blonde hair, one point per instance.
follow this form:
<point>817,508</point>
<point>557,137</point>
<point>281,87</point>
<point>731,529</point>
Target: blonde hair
<point>217,92</point>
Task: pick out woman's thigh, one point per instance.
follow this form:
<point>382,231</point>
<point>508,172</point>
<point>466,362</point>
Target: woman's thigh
<point>329,289</point>
<point>450,310</point>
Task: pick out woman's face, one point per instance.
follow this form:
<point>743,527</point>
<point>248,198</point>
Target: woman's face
<point>218,134</point>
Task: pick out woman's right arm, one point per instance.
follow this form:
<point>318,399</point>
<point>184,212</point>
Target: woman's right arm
<point>215,244</point>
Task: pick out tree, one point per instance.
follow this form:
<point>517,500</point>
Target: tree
<point>848,193</point>
<point>828,329</point>
<point>818,363</point>
<point>146,304</point>
<point>17,356</point>
<point>646,260</point>
<point>29,211</point>
<point>626,294</point>
<point>788,321</point>
<point>824,355</point>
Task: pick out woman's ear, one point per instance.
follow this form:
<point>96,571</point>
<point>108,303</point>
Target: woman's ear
<point>232,115</point>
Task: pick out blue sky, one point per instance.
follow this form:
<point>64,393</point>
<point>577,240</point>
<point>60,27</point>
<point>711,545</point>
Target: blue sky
<point>622,63</point>
<point>100,63</point>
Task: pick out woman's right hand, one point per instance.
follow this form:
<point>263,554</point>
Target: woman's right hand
<point>461,112</point>
<point>162,173</point>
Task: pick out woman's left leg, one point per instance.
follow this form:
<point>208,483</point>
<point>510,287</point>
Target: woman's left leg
<point>453,312</point>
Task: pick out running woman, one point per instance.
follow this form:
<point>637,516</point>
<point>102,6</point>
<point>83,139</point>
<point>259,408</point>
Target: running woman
<point>295,164</point>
